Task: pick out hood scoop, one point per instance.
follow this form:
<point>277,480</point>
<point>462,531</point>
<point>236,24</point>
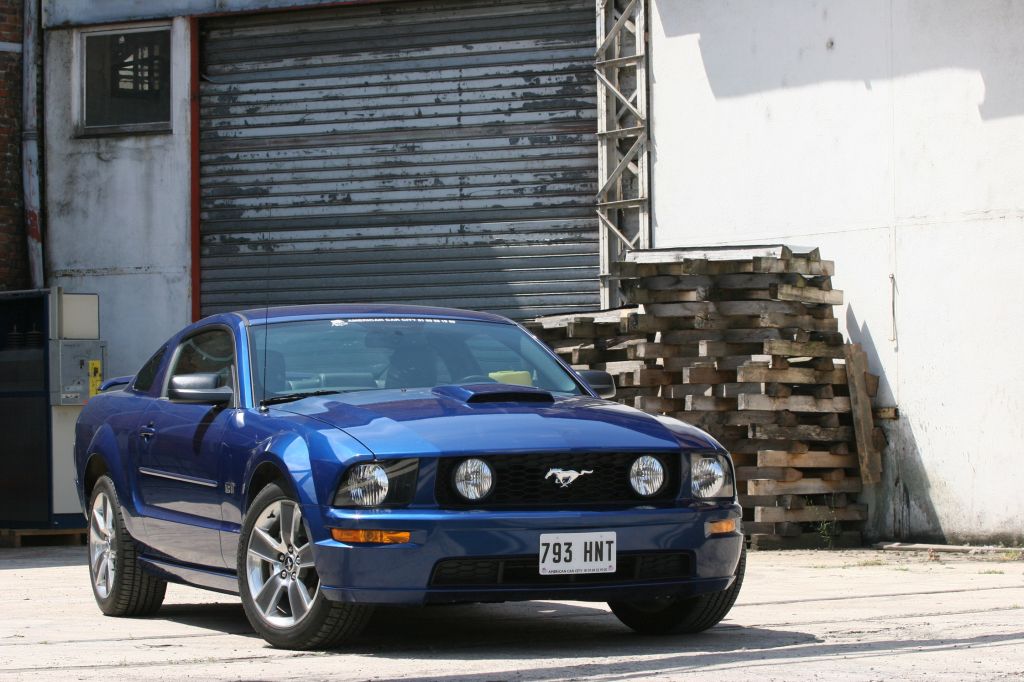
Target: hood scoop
<point>477,394</point>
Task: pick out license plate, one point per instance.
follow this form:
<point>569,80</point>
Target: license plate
<point>565,553</point>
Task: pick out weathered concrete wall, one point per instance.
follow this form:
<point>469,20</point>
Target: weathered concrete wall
<point>13,256</point>
<point>890,133</point>
<point>118,213</point>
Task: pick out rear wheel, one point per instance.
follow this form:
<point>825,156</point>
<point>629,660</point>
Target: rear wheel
<point>672,615</point>
<point>278,582</point>
<point>119,584</point>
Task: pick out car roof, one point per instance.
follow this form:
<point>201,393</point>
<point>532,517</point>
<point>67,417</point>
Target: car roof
<point>273,314</point>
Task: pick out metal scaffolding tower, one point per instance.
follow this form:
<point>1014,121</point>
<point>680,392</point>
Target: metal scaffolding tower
<point>622,134</point>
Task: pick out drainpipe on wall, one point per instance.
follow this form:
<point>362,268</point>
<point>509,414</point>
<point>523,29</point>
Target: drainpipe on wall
<point>30,140</point>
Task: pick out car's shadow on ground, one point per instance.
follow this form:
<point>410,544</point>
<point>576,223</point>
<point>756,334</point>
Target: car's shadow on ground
<point>526,630</point>
<point>556,640</point>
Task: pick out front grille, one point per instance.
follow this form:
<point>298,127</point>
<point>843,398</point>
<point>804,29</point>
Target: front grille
<point>519,481</point>
<point>524,571</point>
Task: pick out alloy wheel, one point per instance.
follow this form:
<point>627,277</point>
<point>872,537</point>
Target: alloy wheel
<point>282,578</point>
<point>102,545</point>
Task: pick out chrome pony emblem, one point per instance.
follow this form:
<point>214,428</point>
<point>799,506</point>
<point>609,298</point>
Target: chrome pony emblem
<point>565,477</point>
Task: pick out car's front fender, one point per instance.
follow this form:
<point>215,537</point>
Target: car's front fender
<point>312,462</point>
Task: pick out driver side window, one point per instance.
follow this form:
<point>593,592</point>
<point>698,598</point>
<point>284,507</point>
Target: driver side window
<point>211,352</point>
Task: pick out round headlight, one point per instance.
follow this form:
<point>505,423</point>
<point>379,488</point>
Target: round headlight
<point>367,485</point>
<point>473,479</point>
<point>707,476</point>
<point>647,475</point>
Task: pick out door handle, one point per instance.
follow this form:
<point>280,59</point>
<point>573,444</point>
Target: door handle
<point>147,432</point>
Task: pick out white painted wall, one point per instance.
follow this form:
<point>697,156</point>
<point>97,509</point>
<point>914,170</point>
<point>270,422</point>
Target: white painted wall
<point>891,134</point>
<point>117,211</point>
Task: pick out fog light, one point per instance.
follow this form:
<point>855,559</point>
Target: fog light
<point>646,475</point>
<point>718,527</point>
<point>474,479</point>
<point>375,537</point>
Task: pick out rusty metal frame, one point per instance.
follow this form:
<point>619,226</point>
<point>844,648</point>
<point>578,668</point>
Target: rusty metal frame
<point>623,207</point>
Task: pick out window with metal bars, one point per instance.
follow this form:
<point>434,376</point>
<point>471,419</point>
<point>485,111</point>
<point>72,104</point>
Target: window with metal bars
<point>127,81</point>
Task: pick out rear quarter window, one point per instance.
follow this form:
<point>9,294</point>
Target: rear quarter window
<point>147,375</point>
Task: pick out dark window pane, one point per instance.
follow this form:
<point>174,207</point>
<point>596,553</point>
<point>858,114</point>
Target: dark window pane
<point>127,78</point>
<point>144,379</point>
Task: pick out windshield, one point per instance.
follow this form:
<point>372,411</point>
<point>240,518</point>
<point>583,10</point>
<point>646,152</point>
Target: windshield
<point>360,354</point>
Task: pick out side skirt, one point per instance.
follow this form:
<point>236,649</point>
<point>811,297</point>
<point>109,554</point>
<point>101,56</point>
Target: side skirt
<point>208,579</point>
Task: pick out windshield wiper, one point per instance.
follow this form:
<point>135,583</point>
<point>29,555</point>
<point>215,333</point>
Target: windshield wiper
<point>291,397</point>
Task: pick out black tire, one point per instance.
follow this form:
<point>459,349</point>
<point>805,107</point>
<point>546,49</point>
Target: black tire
<point>320,624</point>
<point>680,615</point>
<point>132,592</point>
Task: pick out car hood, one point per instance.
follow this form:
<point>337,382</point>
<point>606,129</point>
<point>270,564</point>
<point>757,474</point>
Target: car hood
<point>451,420</point>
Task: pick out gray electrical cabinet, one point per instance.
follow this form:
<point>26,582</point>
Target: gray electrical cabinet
<point>51,363</point>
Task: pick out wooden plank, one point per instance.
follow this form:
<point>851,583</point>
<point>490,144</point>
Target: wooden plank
<point>654,377</point>
<point>680,391</point>
<point>682,309</point>
<point>762,307</point>
<point>709,404</point>
<point>735,390</point>
<point>657,404</point>
<point>793,375</point>
<point>801,266</point>
<point>720,348</point>
<point>801,433</point>
<point>795,403</point>
<point>791,530</point>
<point>844,539</point>
<point>806,349</point>
<point>691,336</point>
<point>667,296</point>
<point>871,380</point>
<point>788,292</point>
<point>707,375</point>
<point>65,536</point>
<point>649,350</point>
<point>676,283</point>
<point>784,502</point>
<point>815,459</point>
<point>750,473</point>
<point>870,458</point>
<point>805,486</point>
<point>810,514</point>
<point>885,413</point>
<point>734,362</point>
<point>721,253</point>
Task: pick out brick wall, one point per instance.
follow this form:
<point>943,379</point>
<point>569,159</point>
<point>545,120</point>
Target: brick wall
<point>13,258</point>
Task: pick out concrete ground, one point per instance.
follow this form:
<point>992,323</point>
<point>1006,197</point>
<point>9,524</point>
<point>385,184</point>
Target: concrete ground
<point>845,615</point>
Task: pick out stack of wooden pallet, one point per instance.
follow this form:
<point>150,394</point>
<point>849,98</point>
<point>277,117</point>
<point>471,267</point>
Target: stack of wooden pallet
<point>745,344</point>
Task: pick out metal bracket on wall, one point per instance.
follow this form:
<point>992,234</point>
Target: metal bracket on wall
<point>623,208</point>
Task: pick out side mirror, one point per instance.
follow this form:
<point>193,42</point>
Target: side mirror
<point>199,388</point>
<point>601,382</point>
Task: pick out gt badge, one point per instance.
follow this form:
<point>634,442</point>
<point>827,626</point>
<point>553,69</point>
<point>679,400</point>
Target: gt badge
<point>565,477</point>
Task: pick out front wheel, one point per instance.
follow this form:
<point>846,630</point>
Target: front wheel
<point>278,582</point>
<point>683,615</point>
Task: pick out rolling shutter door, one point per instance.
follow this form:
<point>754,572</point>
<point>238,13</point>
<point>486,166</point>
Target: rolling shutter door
<point>434,153</point>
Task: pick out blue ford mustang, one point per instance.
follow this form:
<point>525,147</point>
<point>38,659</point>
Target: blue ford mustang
<point>319,460</point>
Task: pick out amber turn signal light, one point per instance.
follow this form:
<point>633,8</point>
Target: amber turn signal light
<point>717,527</point>
<point>376,537</point>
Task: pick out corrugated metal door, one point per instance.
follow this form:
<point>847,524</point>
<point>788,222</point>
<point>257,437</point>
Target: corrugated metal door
<point>437,153</point>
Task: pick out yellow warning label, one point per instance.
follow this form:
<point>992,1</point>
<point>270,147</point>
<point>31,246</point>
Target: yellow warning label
<point>95,377</point>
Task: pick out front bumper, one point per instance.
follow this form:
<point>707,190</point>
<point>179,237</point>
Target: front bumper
<point>401,573</point>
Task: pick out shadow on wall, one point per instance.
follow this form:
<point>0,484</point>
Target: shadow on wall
<point>756,46</point>
<point>900,507</point>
